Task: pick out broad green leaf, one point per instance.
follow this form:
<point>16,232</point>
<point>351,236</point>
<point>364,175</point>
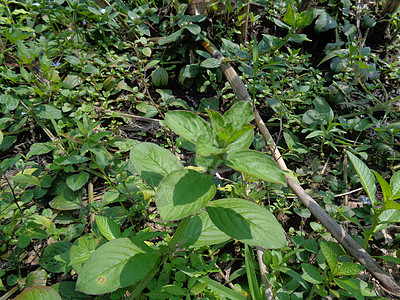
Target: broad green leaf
<point>290,17</point>
<point>90,69</point>
<point>330,256</point>
<point>66,289</point>
<point>213,285</point>
<point>116,264</point>
<point>46,111</point>
<point>255,164</point>
<point>247,222</point>
<point>171,38</point>
<point>386,189</point>
<point>50,261</point>
<point>348,269</point>
<point>243,142</point>
<point>216,119</point>
<point>311,274</point>
<point>108,228</point>
<point>251,273</point>
<point>26,179</point>
<point>395,186</point>
<point>75,159</point>
<point>153,162</point>
<point>187,124</point>
<point>210,63</point>
<point>81,250</point>
<point>306,18</point>
<point>240,113</point>
<point>40,148</point>
<point>324,22</point>
<point>355,287</point>
<point>205,147</point>
<point>201,231</point>
<point>390,216</point>
<point>296,276</point>
<point>237,135</point>
<point>183,192</point>
<point>193,28</point>
<point>367,179</point>
<point>38,293</point>
<point>75,182</point>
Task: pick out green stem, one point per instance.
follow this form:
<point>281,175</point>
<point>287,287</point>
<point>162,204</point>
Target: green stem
<point>375,223</point>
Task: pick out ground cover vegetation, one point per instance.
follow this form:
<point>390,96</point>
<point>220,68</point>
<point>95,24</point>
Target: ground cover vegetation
<point>131,169</point>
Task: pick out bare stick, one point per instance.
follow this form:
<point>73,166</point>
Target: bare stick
<point>337,232</point>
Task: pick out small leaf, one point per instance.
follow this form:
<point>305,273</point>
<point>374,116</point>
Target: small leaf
<point>171,38</point>
<point>116,264</point>
<point>330,256</point>
<point>75,182</point>
<point>348,269</point>
<point>26,179</point>
<point>40,148</point>
<point>355,287</point>
<point>205,147</point>
<point>290,17</point>
<point>153,162</point>
<point>255,164</point>
<point>49,261</point>
<point>38,293</point>
<point>183,192</point>
<point>251,274</point>
<point>210,63</point>
<point>395,186</point>
<point>240,113</point>
<point>108,228</point>
<point>324,22</point>
<point>247,222</point>
<point>366,177</point>
<point>45,111</point>
<point>386,189</point>
<point>81,250</point>
<point>311,274</point>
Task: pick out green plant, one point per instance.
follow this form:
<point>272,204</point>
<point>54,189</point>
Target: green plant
<point>384,212</point>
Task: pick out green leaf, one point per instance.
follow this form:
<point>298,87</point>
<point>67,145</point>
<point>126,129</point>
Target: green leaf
<point>36,278</point>
<point>348,269</point>
<point>108,228</point>
<point>239,114</point>
<point>187,124</point>
<point>395,186</point>
<point>40,148</point>
<point>290,17</point>
<point>90,69</point>
<point>205,147</point>
<point>311,274</point>
<point>116,264</point>
<point>255,164</point>
<point>390,216</point>
<point>330,256</point>
<point>324,22</point>
<point>45,111</point>
<point>26,179</point>
<point>201,231</point>
<point>81,250</point>
<point>251,273</point>
<point>247,222</point>
<point>216,119</point>
<point>193,28</point>
<point>66,289</point>
<point>386,189</point>
<point>243,142</point>
<point>367,179</point>
<point>153,162</point>
<point>75,182</point>
<point>355,287</point>
<point>171,38</point>
<point>306,18</point>
<point>50,261</point>
<point>213,285</point>
<point>210,63</point>
<point>183,192</point>
<point>38,293</point>
<point>75,159</point>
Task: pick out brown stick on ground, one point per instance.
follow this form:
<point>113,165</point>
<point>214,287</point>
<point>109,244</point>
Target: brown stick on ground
<point>337,232</point>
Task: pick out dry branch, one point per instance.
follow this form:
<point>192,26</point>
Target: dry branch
<point>335,229</point>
